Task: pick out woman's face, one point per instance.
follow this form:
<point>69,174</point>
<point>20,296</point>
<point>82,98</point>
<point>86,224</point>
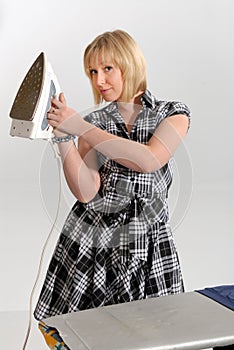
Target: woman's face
<point>107,79</point>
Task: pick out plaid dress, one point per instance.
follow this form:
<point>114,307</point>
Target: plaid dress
<point>118,247</point>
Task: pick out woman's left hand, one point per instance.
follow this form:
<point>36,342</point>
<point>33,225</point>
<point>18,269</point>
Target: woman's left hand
<point>59,114</point>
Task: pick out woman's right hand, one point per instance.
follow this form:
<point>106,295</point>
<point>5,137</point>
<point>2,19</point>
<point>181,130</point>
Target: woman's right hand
<point>59,114</point>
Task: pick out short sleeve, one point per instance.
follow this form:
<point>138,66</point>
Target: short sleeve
<point>173,108</point>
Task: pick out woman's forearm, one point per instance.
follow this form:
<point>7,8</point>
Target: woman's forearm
<point>132,154</point>
<point>129,153</point>
<point>83,181</point>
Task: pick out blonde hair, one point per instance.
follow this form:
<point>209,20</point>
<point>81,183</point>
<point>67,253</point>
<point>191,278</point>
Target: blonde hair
<point>119,47</point>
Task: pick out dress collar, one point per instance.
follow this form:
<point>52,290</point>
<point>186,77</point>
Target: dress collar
<point>148,99</point>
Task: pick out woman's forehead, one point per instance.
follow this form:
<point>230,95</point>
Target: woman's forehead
<point>101,58</point>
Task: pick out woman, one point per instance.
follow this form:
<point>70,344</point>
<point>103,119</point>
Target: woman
<point>116,244</point>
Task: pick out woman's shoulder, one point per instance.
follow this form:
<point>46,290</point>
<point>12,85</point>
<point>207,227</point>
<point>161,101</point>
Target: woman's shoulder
<point>164,108</point>
<point>171,106</point>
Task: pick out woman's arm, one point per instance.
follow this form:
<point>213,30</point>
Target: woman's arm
<point>134,155</point>
<point>80,169</point>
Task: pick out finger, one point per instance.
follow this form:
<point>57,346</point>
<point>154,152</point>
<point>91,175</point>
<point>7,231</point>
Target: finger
<point>56,103</point>
<point>52,116</point>
<point>60,102</point>
<point>62,98</point>
<point>52,110</point>
<point>52,122</point>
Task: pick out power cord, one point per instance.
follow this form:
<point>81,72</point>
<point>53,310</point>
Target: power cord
<point>57,156</point>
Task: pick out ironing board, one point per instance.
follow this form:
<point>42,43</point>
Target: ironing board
<point>185,321</point>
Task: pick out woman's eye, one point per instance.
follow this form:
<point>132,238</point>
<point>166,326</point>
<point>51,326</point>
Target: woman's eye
<point>92,71</point>
<point>108,68</point>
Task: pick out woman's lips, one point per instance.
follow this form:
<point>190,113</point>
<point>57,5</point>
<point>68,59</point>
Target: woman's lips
<point>104,91</point>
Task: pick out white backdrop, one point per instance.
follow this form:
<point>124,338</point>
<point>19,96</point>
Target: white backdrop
<point>189,50</point>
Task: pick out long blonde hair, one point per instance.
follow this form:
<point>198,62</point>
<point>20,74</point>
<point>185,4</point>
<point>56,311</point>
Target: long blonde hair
<point>119,47</point>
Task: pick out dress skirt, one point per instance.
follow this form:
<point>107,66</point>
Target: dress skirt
<point>95,263</point>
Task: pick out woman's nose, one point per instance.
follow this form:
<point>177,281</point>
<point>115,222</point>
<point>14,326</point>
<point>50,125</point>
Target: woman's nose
<point>101,78</point>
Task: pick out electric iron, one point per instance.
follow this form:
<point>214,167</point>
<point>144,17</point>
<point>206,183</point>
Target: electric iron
<point>32,101</point>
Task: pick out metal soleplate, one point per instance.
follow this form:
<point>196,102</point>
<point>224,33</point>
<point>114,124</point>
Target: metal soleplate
<point>28,95</point>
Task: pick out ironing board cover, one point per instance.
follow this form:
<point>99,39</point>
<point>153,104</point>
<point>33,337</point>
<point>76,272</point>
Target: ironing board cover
<point>222,294</point>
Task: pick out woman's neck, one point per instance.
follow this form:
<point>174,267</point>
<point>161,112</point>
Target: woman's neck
<point>130,110</point>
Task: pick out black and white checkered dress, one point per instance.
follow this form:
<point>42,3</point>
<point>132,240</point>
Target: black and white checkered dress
<point>119,246</point>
